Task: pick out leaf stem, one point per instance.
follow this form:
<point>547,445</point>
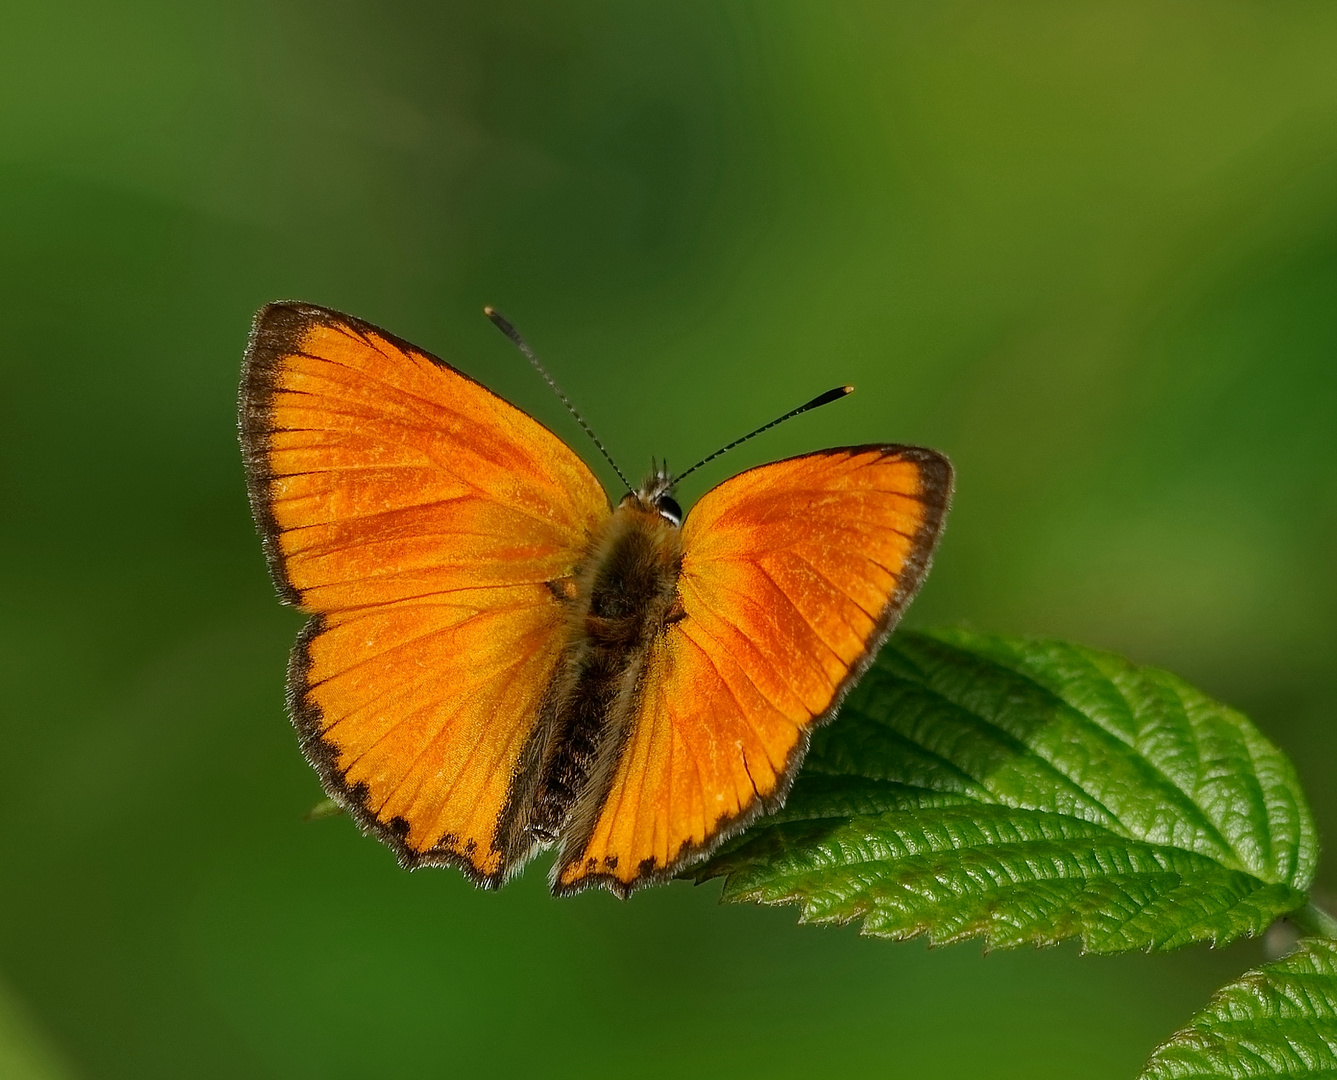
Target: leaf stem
<point>1313,921</point>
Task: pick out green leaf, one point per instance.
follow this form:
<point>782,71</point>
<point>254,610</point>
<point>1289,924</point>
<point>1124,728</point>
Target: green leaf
<point>1031,791</point>
<point>1279,1021</point>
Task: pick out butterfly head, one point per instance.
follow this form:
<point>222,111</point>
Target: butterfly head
<point>656,494</point>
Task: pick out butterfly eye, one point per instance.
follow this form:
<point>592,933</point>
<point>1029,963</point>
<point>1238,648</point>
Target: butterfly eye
<point>669,508</point>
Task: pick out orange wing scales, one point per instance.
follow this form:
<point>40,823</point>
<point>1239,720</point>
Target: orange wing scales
<point>792,575</point>
<point>429,761</point>
<point>419,518</point>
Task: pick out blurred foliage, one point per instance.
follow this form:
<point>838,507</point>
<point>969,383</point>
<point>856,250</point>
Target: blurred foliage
<point>1090,251</point>
<point>24,1052</point>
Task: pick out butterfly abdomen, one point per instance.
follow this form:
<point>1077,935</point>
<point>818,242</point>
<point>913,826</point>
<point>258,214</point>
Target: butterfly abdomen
<point>625,593</point>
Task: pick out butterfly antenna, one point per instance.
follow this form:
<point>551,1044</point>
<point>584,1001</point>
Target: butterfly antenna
<point>816,403</point>
<point>511,332</point>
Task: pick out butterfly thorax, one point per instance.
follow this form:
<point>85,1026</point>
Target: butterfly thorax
<point>625,596</point>
<point>629,583</point>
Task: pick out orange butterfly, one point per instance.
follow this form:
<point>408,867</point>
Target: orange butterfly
<point>499,661</point>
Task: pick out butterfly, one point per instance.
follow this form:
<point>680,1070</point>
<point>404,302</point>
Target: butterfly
<point>500,661</point>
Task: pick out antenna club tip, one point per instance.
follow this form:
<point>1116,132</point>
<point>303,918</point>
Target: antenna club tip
<point>834,394</point>
<point>503,324</point>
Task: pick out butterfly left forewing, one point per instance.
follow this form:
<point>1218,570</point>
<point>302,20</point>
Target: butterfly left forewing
<point>792,576</point>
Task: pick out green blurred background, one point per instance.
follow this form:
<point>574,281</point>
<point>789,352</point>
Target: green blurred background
<point>1089,250</point>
